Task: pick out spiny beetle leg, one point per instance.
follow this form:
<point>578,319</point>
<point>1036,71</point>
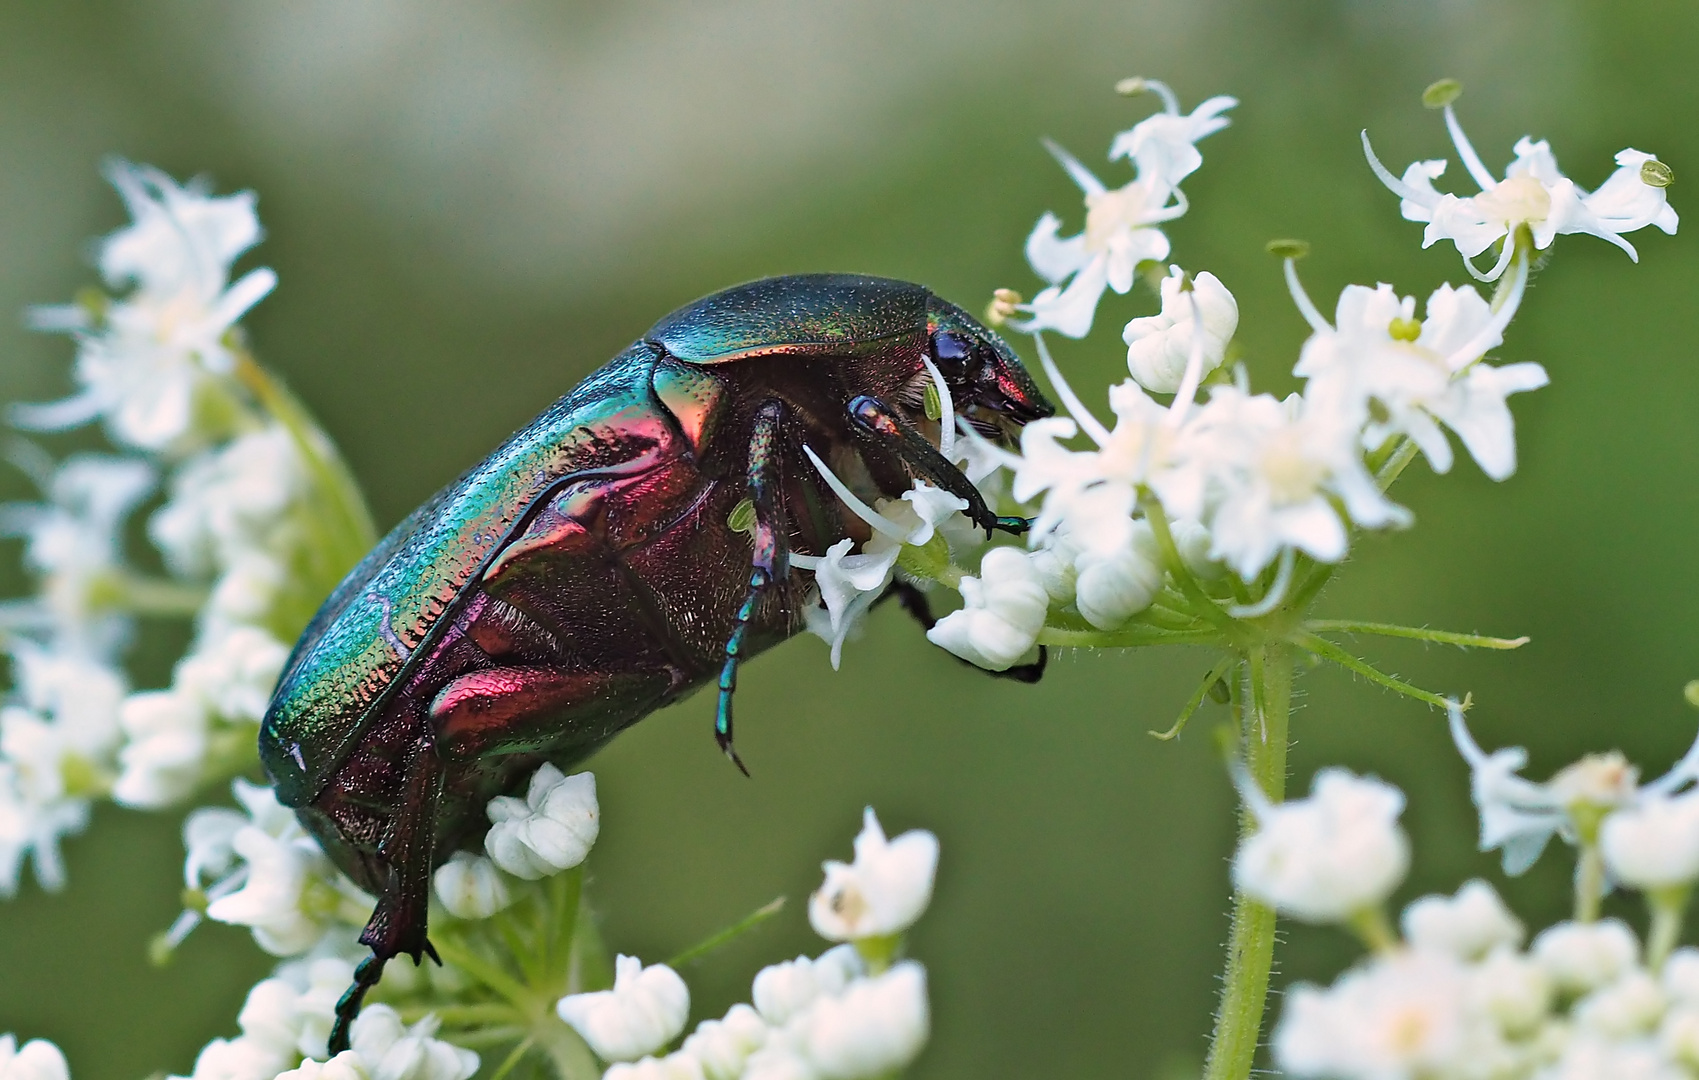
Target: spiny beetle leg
<point>915,603</point>
<point>398,923</point>
<point>881,423</point>
<point>769,557</point>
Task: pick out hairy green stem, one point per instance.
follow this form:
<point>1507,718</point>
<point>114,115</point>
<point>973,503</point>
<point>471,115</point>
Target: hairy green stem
<point>1250,941</point>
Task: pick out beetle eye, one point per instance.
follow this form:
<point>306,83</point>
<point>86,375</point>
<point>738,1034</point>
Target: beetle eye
<point>950,351</point>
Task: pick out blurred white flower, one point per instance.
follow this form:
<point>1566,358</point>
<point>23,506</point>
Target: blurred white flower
<point>882,892</point>
<point>285,1018</point>
<point>1521,816</point>
<point>786,990</point>
<point>1630,1006</point>
<point>74,543</point>
<point>1681,976</point>
<point>1160,346</point>
<point>231,501</point>
<point>1328,857</point>
<point>1121,224</point>
<point>1511,989</point>
<point>1678,1036</point>
<point>143,363</point>
<point>1468,925</point>
<point>37,1059</point>
<point>721,1047</point>
<point>1396,375</point>
<point>679,1065</point>
<point>644,1011</point>
<point>1002,612</point>
<point>470,886</point>
<point>550,830</point>
<point>877,1026</point>
<point>1586,1056</point>
<point>1653,843</point>
<point>165,745</point>
<point>234,673</point>
<point>1585,956</point>
<point>1403,1015</point>
<point>1533,193</point>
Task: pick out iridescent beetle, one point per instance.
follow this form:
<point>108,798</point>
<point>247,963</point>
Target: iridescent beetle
<point>585,573</point>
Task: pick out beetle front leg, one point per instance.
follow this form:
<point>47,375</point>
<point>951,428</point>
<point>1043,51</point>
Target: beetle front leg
<point>769,561</point>
<point>881,423</point>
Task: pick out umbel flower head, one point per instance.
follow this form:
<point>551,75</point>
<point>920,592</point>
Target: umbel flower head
<point>1534,195</point>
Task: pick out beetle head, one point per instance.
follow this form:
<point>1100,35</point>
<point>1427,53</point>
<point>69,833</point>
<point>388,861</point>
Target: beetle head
<point>992,391</point>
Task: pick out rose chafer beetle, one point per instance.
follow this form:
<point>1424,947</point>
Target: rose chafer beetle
<point>586,573</point>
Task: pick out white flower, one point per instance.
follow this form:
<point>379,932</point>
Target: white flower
<point>29,827</point>
<point>383,1048</point>
<point>37,1059</point>
<point>234,673</point>
<point>1533,193</point>
<point>1110,589</point>
<point>882,892</point>
<point>786,990</point>
<point>1003,611</point>
<point>722,1046</point>
<point>1467,926</point>
<point>1395,375</point>
<point>232,501</point>
<point>1327,857</point>
<point>1584,956</point>
<point>270,901</point>
<point>1160,346</point>
<point>1681,976</point>
<point>1521,816</point>
<point>1653,844</point>
<point>143,365</point>
<point>675,1066</point>
<point>1510,988</point>
<point>74,540</point>
<point>1632,1005</point>
<point>1678,1036</point>
<point>850,583</point>
<point>1121,224</point>
<point>165,743</point>
<point>550,830</point>
<point>1586,1056</point>
<point>1268,473</point>
<point>877,1026</point>
<point>1095,492</point>
<point>1398,1016</point>
<point>470,886</point>
<point>644,1011</point>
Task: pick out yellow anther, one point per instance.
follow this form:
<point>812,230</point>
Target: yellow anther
<point>1440,94</point>
<point>1402,329</point>
<point>1288,249</point>
<point>1131,87</point>
<point>1655,173</point>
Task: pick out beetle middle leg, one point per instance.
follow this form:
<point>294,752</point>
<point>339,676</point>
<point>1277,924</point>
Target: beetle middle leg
<point>881,423</point>
<point>913,601</point>
<point>768,562</point>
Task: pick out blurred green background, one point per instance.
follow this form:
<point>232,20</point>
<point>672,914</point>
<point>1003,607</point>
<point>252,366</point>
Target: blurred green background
<point>472,206</point>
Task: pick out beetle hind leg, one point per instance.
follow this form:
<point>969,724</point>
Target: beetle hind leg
<point>398,923</point>
<point>767,563</point>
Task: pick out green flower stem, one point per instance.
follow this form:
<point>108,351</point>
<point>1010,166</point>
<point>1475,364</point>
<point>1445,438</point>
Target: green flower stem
<point>1327,650</point>
<point>1415,633</point>
<point>1177,569</point>
<point>1589,881</point>
<point>1668,906</point>
<point>565,1049</point>
<point>1213,676</point>
<point>1125,638</point>
<point>1250,941</point>
<point>1372,928</point>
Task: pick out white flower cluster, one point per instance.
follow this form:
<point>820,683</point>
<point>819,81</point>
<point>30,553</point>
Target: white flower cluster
<point>1222,479</point>
<point>551,829</point>
<point>848,1014</point>
<point>1457,996</point>
<point>156,365</point>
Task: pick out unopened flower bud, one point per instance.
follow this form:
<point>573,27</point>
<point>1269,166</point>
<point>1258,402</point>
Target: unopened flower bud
<point>471,887</point>
<point>876,1027</point>
<point>644,1011</point>
<point>1467,926</point>
<point>550,830</point>
<point>1653,844</point>
<point>1584,956</point>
